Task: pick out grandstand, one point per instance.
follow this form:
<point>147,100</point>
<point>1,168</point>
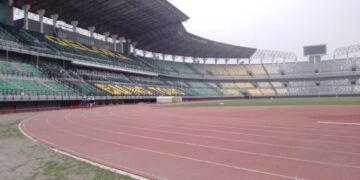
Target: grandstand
<point>41,61</point>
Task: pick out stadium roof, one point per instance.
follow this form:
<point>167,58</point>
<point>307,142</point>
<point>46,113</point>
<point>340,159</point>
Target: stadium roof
<point>155,25</point>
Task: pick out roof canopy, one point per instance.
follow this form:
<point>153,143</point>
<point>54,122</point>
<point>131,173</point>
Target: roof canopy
<point>155,25</point>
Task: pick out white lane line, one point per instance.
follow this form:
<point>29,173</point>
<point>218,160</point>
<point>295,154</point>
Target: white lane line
<point>242,134</point>
<point>224,139</point>
<point>212,147</point>
<point>32,137</point>
<point>171,155</point>
<point>239,128</point>
<point>338,123</point>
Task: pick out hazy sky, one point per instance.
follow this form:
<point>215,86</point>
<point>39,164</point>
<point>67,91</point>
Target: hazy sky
<point>275,24</point>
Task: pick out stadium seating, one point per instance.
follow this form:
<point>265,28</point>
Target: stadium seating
<point>257,70</point>
<point>245,85</point>
<point>232,92</point>
<point>20,76</point>
<point>134,90</point>
<point>268,92</point>
<point>255,92</point>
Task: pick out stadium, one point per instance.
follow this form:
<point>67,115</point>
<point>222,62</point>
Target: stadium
<point>169,104</point>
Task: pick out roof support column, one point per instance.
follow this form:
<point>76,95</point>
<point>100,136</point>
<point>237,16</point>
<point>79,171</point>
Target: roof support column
<point>216,60</point>
<point>173,57</point>
<point>134,47</point>
<point>26,9</point>
<point>144,53</point>
<point>54,17</point>
<point>121,43</point>
<point>106,35</point>
<point>92,30</point>
<point>226,61</point>
<point>41,14</point>
<point>204,60</point>
<point>114,38</point>
<point>163,57</point>
<point>183,59</point>
<point>74,24</point>
<point>9,13</point>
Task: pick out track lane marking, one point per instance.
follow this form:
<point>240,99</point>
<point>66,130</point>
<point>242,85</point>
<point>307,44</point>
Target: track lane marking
<point>338,123</point>
<point>214,147</point>
<point>100,163</point>
<point>173,155</point>
<point>223,139</point>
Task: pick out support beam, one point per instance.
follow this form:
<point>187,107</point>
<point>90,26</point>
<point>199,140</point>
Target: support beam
<point>26,9</point>
<point>41,13</point>
<point>204,60</point>
<point>114,39</point>
<point>55,18</point>
<point>9,16</point>
<point>183,58</point>
<point>92,31</point>
<point>173,58</point>
<point>106,34</point>
<point>144,53</point>
<point>121,43</point>
<point>74,24</point>
<point>134,44</point>
<point>10,3</point>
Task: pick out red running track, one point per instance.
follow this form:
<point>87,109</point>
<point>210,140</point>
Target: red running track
<point>209,143</point>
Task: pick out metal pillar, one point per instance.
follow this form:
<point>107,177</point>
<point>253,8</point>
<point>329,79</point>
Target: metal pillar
<point>74,24</point>
<point>134,47</point>
<point>121,43</point>
<point>41,14</point>
<point>54,17</point>
<point>106,35</point>
<point>114,38</point>
<point>92,30</point>
<point>26,9</point>
<point>173,58</point>
<point>10,13</point>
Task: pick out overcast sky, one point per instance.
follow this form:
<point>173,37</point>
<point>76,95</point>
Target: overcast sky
<point>275,24</point>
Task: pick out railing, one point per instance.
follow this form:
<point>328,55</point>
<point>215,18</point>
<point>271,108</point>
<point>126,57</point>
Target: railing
<point>21,74</point>
<point>20,92</point>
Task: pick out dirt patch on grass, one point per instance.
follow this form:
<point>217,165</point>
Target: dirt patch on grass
<point>22,158</point>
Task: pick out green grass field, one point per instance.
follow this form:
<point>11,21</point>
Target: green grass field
<point>26,160</point>
<point>276,102</point>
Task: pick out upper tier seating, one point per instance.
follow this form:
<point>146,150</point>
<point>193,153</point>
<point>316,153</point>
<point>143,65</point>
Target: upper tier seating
<point>264,84</point>
<point>229,86</point>
<point>298,68</point>
<point>257,70</point>
<point>217,70</point>
<point>237,70</point>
